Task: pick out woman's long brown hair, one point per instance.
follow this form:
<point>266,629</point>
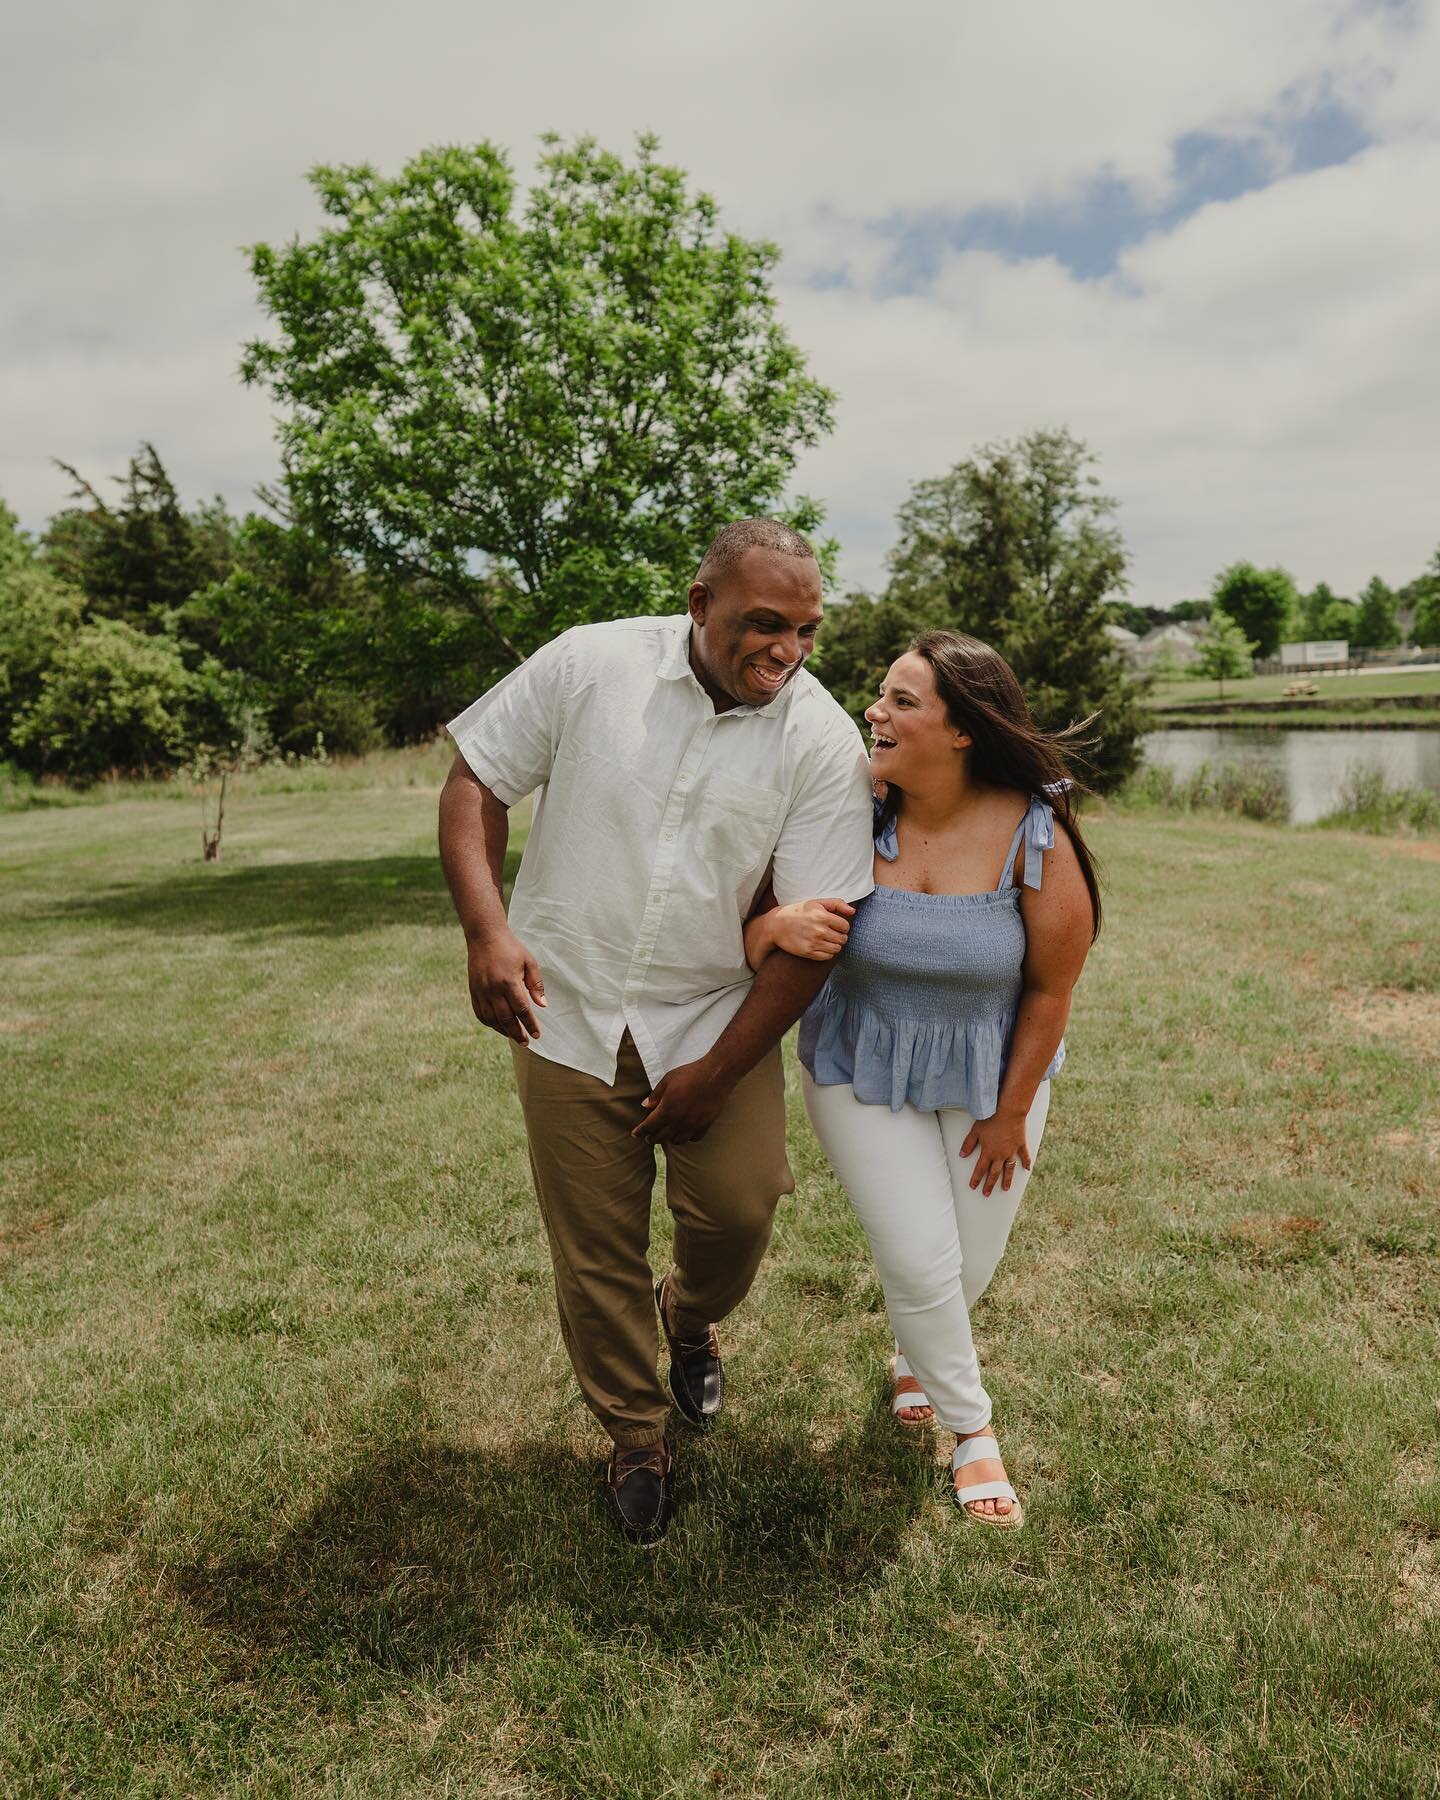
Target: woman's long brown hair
<point>1008,749</point>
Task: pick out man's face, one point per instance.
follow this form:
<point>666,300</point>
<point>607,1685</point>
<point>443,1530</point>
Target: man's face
<point>755,627</point>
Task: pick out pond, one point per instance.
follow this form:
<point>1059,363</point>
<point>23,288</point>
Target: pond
<point>1312,764</point>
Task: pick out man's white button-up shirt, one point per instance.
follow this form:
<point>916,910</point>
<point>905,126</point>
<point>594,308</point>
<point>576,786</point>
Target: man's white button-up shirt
<point>657,822</point>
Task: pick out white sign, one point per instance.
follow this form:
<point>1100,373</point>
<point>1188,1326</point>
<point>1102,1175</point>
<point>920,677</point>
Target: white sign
<point>1331,650</point>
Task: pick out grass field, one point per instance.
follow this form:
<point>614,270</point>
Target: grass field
<point>299,1497</point>
<point>1308,717</point>
<point>1343,692</point>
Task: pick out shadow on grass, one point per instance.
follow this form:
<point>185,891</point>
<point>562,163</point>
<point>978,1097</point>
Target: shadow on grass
<point>418,1559</point>
<point>320,899</point>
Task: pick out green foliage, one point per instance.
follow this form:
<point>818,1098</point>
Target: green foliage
<point>16,549</point>
<point>302,624</point>
<point>1253,793</point>
<point>139,561</point>
<point>1139,619</point>
<point>1326,615</point>
<point>1426,629</point>
<point>1014,545</point>
<point>1226,654</point>
<point>1376,624</point>
<point>38,614</point>
<point>544,417</point>
<point>1262,602</point>
<point>1369,803</point>
<point>116,698</point>
<point>1184,612</point>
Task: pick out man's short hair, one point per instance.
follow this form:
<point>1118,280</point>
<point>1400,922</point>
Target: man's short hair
<point>733,540</point>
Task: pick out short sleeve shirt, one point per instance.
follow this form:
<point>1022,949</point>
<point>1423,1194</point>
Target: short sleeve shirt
<point>656,825</point>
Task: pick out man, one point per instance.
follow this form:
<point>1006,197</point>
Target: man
<point>683,761</point>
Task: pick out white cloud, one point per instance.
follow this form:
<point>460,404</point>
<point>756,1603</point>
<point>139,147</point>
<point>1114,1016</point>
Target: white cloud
<point>1259,381</point>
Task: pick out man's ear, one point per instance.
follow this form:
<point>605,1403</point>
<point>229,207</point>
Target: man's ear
<point>698,599</point>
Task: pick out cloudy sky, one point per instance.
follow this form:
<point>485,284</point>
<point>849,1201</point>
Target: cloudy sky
<point>1204,236</point>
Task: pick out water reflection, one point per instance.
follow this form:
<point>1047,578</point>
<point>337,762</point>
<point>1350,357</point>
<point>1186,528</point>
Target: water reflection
<point>1312,764</point>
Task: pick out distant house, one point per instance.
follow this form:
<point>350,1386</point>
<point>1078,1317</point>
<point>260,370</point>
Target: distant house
<point>1176,645</point>
<point>1121,638</point>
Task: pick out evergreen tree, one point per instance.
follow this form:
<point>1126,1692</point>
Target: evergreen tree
<point>1015,545</point>
<point>141,560</point>
<point>1377,626</point>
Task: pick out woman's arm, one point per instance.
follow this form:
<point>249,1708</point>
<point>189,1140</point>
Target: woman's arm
<point>1058,922</point>
<point>814,929</point>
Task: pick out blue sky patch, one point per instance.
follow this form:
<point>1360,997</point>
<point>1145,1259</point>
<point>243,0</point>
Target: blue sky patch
<point>1089,232</point>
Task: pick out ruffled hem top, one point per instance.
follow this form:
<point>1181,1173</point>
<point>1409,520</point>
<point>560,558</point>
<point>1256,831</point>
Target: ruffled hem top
<point>920,1008</point>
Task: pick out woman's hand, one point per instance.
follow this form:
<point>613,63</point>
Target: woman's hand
<point>1003,1148</point>
<point>816,929</point>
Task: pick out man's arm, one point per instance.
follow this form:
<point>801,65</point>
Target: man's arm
<point>685,1102</point>
<point>504,977</point>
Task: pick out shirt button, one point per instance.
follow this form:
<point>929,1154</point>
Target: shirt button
<point>669,837</point>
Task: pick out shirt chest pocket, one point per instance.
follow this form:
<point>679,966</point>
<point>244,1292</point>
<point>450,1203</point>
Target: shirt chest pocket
<point>736,824</point>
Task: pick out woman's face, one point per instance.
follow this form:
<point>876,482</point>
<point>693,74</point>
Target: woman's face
<point>910,734</point>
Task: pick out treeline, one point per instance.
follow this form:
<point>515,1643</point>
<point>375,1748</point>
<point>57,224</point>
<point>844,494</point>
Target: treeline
<point>1271,610</point>
<point>498,419</point>
<point>138,634</point>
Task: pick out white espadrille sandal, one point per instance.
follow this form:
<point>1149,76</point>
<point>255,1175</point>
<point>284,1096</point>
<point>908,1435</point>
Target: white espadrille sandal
<point>976,1449</point>
<point>907,1394</point>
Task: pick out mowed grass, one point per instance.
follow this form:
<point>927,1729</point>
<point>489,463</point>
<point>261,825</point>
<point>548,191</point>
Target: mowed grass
<point>299,1497</point>
<point>1343,689</point>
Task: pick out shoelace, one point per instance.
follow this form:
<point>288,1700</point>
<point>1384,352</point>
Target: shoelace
<point>647,1456</point>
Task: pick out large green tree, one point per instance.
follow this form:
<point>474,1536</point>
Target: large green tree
<point>1377,626</point>
<point>544,413</point>
<point>1262,602</point>
<point>1016,545</point>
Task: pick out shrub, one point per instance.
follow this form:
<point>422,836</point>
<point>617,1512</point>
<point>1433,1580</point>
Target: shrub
<point>38,614</point>
<point>1252,792</point>
<point>112,698</point>
<point>1368,803</point>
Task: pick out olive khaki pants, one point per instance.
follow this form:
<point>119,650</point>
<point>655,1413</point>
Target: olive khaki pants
<point>594,1181</point>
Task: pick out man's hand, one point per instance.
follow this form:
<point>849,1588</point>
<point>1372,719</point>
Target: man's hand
<point>505,985</point>
<point>684,1105</point>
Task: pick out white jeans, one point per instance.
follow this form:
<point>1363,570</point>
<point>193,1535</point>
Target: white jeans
<point>936,1242</point>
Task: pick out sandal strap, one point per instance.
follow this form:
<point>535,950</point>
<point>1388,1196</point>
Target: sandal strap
<point>985,1490</point>
<point>911,1401</point>
<point>974,1450</point>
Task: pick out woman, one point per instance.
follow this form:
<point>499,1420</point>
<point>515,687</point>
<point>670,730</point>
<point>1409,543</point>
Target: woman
<point>928,1054</point>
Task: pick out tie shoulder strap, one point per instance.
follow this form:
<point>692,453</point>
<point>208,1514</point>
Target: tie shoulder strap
<point>1037,832</point>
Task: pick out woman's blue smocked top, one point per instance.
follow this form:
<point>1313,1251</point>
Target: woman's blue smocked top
<point>921,1004</point>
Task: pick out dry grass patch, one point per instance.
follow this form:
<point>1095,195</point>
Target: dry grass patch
<point>1426,1140</point>
<point>1411,1020</point>
<point>1417,1585</point>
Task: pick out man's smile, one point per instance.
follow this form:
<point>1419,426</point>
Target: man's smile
<point>773,675</point>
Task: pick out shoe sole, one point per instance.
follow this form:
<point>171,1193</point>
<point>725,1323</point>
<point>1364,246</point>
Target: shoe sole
<point>701,1421</point>
<point>698,1421</point>
<point>637,1539</point>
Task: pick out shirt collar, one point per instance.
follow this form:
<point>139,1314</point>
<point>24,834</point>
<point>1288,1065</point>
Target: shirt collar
<point>675,666</point>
